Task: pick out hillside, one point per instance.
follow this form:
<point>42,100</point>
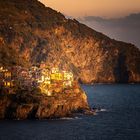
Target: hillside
<point>34,33</point>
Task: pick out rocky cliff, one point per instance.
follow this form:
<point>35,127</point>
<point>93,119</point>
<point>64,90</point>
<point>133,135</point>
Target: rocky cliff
<point>34,33</point>
<point>39,106</point>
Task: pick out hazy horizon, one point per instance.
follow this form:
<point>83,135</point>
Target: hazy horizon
<point>106,8</point>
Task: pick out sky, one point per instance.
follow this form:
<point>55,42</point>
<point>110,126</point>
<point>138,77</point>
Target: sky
<point>102,8</point>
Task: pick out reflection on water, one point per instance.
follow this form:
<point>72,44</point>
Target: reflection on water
<point>118,119</point>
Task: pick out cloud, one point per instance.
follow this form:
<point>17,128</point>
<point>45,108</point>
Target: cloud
<point>125,29</point>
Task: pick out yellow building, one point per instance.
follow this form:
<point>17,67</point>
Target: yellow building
<point>57,76</point>
<point>52,76</point>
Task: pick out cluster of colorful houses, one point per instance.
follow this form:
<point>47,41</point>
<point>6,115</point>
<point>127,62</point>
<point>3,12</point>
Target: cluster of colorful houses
<point>43,77</point>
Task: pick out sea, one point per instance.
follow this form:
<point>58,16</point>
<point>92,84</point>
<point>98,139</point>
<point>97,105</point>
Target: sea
<point>118,118</point>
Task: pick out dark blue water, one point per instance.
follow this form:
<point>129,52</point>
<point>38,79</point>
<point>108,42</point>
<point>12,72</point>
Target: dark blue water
<point>118,120</point>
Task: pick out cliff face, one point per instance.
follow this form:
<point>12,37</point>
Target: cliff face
<point>40,106</point>
<point>36,33</point>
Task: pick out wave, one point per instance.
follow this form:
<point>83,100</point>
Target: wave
<point>70,118</point>
<point>100,110</point>
<point>103,110</point>
<point>67,118</point>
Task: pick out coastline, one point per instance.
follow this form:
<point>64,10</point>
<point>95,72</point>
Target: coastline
<point>39,106</point>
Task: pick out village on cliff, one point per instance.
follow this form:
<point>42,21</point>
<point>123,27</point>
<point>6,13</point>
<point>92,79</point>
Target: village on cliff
<point>45,78</point>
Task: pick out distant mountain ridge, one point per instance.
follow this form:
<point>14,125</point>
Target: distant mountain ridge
<point>125,28</point>
<point>34,33</point>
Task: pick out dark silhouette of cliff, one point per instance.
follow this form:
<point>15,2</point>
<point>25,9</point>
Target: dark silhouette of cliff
<point>121,72</point>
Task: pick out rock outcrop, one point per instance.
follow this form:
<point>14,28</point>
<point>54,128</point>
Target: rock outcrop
<point>34,33</point>
<point>39,106</point>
